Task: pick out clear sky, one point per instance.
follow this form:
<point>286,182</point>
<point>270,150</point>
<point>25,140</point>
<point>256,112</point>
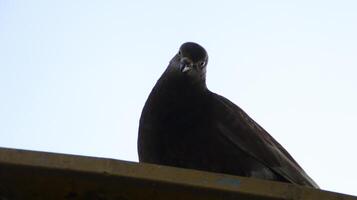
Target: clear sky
<point>74,75</point>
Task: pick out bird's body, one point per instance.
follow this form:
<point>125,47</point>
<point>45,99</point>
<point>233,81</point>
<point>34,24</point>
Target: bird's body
<point>183,124</point>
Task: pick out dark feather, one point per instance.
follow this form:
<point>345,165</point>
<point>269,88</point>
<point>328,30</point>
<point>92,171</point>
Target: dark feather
<point>249,136</point>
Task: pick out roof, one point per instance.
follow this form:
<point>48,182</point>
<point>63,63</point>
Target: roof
<point>42,175</point>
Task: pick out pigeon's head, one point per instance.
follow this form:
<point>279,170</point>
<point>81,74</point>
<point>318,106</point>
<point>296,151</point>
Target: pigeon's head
<point>191,61</point>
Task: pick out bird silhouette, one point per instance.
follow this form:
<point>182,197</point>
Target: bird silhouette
<point>184,124</point>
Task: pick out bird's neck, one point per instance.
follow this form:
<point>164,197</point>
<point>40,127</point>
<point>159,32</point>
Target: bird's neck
<point>181,86</point>
<point>175,100</point>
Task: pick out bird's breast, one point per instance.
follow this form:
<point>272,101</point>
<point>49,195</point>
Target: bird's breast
<point>173,122</point>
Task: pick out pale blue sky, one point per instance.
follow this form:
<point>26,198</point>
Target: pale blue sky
<point>74,75</point>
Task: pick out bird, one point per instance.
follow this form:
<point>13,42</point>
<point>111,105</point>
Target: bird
<point>183,124</point>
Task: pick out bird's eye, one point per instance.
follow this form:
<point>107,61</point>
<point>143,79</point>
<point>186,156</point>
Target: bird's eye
<point>179,53</point>
<point>202,63</point>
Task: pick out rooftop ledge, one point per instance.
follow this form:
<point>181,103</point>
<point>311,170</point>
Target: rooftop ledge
<point>40,175</point>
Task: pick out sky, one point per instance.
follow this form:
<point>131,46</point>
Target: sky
<point>74,75</point>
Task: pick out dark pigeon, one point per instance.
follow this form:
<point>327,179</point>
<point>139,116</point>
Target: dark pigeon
<point>183,124</point>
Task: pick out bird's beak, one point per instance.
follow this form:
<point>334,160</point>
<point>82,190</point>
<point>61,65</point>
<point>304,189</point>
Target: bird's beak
<point>185,65</point>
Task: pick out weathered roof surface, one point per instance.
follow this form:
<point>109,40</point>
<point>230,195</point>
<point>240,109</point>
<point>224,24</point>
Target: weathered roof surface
<point>40,175</point>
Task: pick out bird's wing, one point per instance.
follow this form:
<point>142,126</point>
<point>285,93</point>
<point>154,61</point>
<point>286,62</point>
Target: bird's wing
<point>236,126</point>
